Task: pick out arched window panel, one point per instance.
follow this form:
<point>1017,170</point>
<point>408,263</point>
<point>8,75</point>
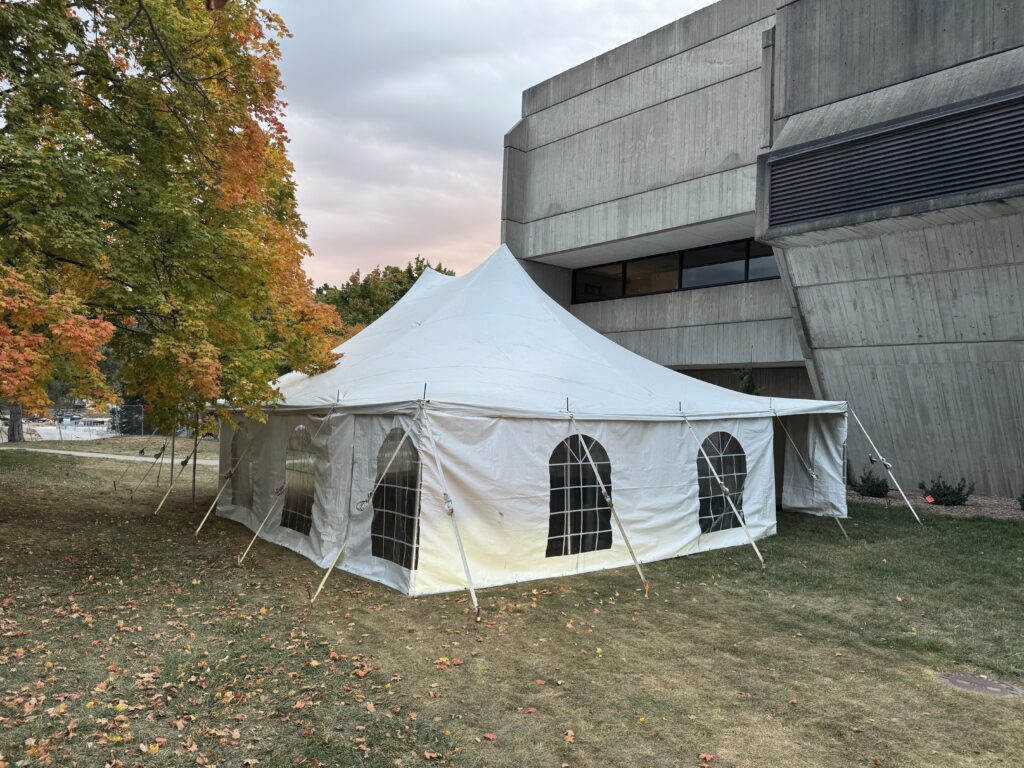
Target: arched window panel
<point>300,478</point>
<point>394,532</point>
<point>241,466</point>
<point>730,463</point>
<point>580,517</point>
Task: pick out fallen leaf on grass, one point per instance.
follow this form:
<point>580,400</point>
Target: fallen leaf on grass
<point>491,736</point>
<point>705,757</point>
<point>569,736</point>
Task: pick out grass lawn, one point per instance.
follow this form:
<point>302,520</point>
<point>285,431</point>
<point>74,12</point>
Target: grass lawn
<point>124,641</point>
<point>132,444</point>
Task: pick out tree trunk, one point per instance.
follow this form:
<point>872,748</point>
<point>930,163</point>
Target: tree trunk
<point>14,431</point>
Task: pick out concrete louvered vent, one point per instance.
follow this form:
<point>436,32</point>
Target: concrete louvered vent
<point>966,151</point>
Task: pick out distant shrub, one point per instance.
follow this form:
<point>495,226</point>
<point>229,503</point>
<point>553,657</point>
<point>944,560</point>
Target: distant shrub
<point>870,485</point>
<point>1020,500</point>
<point>947,495</point>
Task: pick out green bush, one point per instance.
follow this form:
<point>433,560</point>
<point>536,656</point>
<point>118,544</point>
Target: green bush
<point>945,494</point>
<point>869,485</point>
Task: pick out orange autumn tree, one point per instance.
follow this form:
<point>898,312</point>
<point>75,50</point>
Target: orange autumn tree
<point>147,206</point>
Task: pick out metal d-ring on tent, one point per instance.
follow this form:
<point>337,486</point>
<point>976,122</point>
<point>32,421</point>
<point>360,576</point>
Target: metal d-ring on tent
<point>885,463</point>
<point>608,500</point>
<point>809,469</point>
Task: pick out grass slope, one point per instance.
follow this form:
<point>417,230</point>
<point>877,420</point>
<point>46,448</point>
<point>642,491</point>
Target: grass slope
<point>126,642</point>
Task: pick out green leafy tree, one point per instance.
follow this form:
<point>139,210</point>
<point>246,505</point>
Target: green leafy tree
<point>362,300</point>
<point>147,206</point>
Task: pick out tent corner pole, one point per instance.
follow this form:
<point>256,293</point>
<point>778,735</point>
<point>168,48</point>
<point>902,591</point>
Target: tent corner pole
<point>886,464</point>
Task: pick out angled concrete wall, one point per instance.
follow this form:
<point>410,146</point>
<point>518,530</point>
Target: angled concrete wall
<point>656,135</point>
<point>914,312</point>
<point>923,330</point>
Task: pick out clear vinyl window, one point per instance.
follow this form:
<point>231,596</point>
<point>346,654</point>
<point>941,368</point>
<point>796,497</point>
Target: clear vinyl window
<point>581,518</point>
<point>730,463</point>
<point>300,478</point>
<point>394,533</point>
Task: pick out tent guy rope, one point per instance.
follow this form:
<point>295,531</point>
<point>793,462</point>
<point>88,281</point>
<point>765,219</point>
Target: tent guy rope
<point>725,490</point>
<point>887,464</point>
<point>608,500</point>
<point>227,479</point>
<point>361,506</point>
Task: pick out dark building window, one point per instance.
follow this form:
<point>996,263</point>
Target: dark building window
<point>656,274</point>
<point>596,283</point>
<point>724,264</point>
<point>762,264</point>
<point>580,520</point>
<point>730,464</point>
<point>717,265</point>
<point>299,481</point>
<point>394,533</point>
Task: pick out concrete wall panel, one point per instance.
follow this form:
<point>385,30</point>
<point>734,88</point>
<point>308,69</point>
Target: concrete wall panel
<point>762,342</point>
<point>834,49</point>
<point>708,131</point>
<point>721,59</point>
<point>954,409</point>
<point>693,30</point>
<point>718,196</point>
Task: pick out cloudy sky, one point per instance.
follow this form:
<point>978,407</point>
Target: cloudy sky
<point>397,109</point>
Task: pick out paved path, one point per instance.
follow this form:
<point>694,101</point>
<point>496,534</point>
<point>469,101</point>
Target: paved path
<point>115,456</point>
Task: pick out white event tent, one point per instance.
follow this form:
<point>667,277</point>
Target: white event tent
<point>478,434</point>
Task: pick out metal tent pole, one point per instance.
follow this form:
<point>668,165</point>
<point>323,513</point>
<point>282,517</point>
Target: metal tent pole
<point>724,489</point>
<point>887,465</point>
<point>610,503</point>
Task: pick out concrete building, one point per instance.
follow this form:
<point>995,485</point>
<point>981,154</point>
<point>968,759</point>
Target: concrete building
<point>828,193</point>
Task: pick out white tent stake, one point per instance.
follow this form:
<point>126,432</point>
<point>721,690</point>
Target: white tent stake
<point>725,491</point>
<point>450,508</point>
<point>174,479</point>
<point>227,479</point>
<point>811,472</point>
<point>610,503</point>
<point>360,506</point>
<point>273,505</point>
<point>887,465</point>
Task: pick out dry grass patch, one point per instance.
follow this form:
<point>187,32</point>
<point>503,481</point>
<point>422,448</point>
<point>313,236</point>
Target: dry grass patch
<point>124,641</point>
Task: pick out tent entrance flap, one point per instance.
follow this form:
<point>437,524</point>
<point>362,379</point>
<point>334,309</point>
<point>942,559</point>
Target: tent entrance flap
<point>813,480</point>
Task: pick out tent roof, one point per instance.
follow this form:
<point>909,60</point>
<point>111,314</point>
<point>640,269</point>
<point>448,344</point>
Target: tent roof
<point>492,340</point>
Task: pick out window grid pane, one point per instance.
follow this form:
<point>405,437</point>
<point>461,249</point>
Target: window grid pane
<point>300,481</point>
<point>580,517</point>
<point>730,464</point>
<point>394,532</point>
